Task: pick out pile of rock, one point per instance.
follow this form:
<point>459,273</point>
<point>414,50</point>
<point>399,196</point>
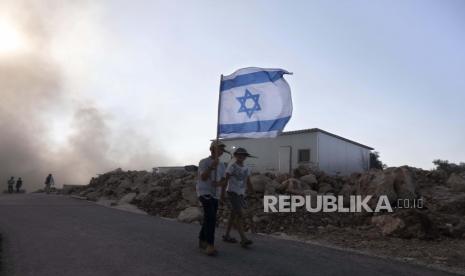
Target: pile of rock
<point>172,194</point>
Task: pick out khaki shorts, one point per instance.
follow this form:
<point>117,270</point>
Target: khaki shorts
<point>236,202</point>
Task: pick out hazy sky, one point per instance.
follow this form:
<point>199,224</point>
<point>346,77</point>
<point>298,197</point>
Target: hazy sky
<point>388,74</point>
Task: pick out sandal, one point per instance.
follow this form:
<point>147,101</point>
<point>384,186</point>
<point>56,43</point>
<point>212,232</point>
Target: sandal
<point>246,243</point>
<point>229,239</point>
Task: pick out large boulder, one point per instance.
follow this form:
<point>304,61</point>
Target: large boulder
<point>404,183</point>
<point>376,184</point>
<point>408,223</point>
<point>190,214</point>
<point>456,183</point>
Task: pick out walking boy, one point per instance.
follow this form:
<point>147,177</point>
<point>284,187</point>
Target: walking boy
<point>208,190</point>
<point>237,177</point>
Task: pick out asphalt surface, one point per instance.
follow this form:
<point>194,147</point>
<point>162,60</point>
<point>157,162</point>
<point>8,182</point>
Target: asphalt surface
<point>58,235</point>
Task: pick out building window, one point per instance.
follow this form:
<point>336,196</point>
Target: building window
<point>304,156</point>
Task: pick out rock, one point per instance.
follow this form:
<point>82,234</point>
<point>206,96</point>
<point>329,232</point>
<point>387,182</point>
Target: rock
<point>189,194</point>
<point>259,182</point>
<point>124,187</point>
<point>310,180</point>
<point>128,198</point>
<point>418,224</point>
<point>281,177</point>
<point>388,224</point>
<point>453,205</point>
<point>176,184</point>
<point>408,223</point>
<point>456,182</point>
<point>140,196</point>
<point>404,184</point>
<point>93,196</point>
<point>295,186</point>
<point>346,192</point>
<point>301,170</point>
<point>190,214</point>
<point>377,183</point>
<point>259,219</point>
<point>459,230</point>
<point>271,188</point>
<point>325,188</point>
<point>142,177</point>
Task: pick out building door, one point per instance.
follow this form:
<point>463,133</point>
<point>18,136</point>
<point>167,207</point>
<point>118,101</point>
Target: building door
<point>284,162</point>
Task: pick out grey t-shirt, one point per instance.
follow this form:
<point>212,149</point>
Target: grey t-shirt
<point>206,187</point>
<point>238,178</point>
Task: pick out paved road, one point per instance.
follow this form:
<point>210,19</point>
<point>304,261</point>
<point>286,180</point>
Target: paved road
<point>58,235</point>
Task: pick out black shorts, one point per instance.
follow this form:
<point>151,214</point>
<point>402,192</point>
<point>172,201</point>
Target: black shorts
<point>236,202</point>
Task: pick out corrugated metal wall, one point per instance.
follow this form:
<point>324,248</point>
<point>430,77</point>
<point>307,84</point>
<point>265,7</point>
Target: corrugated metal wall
<point>329,153</point>
<point>267,150</point>
<point>339,156</point>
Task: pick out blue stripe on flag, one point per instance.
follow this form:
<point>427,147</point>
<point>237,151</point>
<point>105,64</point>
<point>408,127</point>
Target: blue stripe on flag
<point>252,78</point>
<point>257,126</point>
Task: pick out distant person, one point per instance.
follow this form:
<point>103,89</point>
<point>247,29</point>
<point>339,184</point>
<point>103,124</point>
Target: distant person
<point>208,190</point>
<point>237,178</point>
<point>11,182</point>
<point>48,183</point>
<point>19,183</point>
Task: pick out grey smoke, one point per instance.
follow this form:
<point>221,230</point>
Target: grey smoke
<point>31,90</point>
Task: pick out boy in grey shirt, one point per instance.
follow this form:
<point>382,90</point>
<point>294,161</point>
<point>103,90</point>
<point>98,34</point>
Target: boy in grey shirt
<point>208,190</point>
<point>238,178</point>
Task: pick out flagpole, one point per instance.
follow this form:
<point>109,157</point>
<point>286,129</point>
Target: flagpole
<point>219,109</point>
<point>218,128</point>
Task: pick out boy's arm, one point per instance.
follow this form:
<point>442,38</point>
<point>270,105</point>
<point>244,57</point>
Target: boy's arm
<point>205,170</point>
<point>223,188</point>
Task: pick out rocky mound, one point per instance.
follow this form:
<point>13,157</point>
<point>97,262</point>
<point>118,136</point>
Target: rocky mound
<point>172,195</point>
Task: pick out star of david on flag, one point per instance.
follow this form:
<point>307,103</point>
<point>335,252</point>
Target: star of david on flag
<point>245,99</point>
<point>254,103</point>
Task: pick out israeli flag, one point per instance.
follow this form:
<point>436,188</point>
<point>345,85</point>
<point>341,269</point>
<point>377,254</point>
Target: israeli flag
<point>254,103</point>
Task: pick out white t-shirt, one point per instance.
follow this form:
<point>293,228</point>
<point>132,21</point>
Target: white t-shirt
<point>238,178</point>
<point>206,187</point>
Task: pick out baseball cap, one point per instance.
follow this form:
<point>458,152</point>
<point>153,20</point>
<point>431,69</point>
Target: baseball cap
<point>217,143</point>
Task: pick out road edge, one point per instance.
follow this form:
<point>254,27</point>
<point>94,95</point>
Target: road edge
<point>316,243</point>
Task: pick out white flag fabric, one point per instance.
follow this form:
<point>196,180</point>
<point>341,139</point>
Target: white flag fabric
<point>254,103</point>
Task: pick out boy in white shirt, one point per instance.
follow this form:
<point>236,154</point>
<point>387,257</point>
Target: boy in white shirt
<point>208,190</point>
<point>237,177</point>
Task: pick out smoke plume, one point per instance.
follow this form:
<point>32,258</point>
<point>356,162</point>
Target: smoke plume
<point>33,90</point>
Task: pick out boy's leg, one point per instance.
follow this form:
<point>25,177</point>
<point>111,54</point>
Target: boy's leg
<point>211,210</point>
<point>230,224</point>
<point>238,224</point>
<point>202,234</point>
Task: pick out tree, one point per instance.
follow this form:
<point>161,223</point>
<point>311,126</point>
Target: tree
<point>449,168</point>
<point>375,163</point>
